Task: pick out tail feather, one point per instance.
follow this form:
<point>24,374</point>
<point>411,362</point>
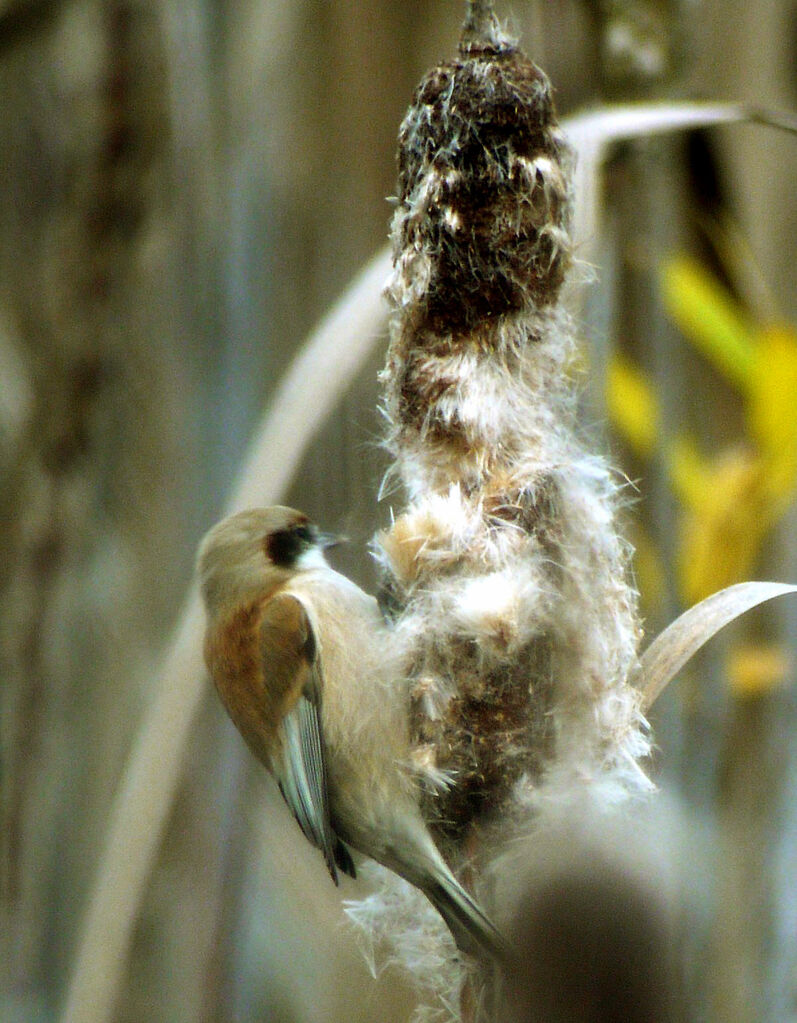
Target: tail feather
<point>343,858</point>
<point>472,929</point>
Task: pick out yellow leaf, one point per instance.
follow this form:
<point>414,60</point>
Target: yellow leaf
<point>649,571</point>
<point>709,318</point>
<point>690,472</point>
<point>772,408</point>
<point>632,405</point>
<point>723,525</point>
<point>755,669</point>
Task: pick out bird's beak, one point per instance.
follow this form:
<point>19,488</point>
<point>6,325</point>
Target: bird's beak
<point>328,540</point>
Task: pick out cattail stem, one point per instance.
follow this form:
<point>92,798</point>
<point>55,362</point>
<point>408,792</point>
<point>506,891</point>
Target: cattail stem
<point>480,27</point>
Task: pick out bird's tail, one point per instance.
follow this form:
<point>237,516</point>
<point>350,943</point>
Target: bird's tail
<point>472,929</point>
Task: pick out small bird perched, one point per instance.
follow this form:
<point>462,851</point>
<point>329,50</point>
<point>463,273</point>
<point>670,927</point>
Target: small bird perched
<point>302,661</point>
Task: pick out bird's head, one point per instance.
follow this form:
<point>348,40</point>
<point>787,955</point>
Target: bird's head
<point>257,549</point>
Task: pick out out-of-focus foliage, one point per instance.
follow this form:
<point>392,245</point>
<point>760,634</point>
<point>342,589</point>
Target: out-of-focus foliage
<point>732,498</point>
<point>709,318</point>
<point>757,668</point>
<point>632,405</point>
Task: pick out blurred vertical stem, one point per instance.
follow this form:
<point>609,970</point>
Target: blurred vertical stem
<point>738,741</point>
<point>750,781</point>
<point>479,18</point>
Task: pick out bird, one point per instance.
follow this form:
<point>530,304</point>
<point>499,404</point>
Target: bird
<point>305,665</point>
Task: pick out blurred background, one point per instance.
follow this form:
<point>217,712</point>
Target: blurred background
<point>187,186</point>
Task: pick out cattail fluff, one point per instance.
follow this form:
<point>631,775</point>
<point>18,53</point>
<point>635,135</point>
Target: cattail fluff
<point>505,570</point>
<point>504,574</point>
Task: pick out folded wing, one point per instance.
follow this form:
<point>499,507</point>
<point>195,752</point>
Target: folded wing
<point>292,664</point>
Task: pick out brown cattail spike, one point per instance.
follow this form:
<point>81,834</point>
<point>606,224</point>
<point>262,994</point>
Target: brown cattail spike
<point>505,575</point>
<point>504,571</point>
<point>483,201</point>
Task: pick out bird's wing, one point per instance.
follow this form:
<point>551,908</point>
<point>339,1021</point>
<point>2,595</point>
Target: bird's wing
<point>292,664</point>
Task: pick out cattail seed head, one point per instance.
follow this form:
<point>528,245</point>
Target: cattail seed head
<point>505,571</point>
<point>504,574</point>
<point>480,229</point>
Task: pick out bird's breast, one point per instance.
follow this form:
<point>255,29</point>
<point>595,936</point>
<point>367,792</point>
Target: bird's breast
<point>364,712</point>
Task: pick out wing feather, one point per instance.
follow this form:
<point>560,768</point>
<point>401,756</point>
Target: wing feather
<point>290,648</point>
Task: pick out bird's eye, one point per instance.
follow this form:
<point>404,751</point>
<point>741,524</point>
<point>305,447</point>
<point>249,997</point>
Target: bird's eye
<point>304,534</point>
<point>284,547</point>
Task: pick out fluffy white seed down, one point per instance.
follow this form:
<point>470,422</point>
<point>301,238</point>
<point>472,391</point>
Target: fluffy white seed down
<point>397,927</point>
<point>510,575</point>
